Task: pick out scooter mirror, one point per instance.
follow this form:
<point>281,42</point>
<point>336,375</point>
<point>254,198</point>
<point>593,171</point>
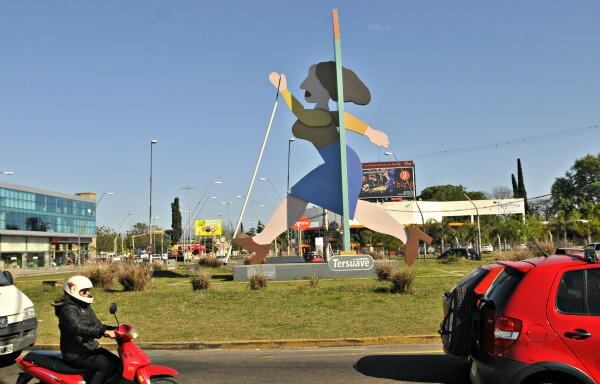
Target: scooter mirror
<point>113,308</point>
<point>9,277</point>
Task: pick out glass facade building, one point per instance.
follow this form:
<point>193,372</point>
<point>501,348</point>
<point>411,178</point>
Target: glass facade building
<point>38,212</point>
<point>40,228</point>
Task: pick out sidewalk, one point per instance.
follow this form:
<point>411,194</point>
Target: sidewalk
<point>274,344</point>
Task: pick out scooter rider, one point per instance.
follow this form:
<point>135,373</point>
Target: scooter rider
<point>79,329</point>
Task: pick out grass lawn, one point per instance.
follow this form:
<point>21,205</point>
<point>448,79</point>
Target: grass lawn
<point>171,311</point>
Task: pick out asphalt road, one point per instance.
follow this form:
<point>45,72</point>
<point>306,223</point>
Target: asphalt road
<point>349,365</point>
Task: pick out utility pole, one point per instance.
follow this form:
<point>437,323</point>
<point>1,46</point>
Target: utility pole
<point>188,188</point>
<point>152,142</point>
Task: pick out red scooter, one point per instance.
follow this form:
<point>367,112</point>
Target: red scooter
<point>49,367</point>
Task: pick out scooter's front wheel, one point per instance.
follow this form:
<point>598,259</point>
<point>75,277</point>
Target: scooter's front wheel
<point>165,380</point>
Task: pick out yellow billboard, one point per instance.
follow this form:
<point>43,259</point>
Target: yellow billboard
<point>209,227</point>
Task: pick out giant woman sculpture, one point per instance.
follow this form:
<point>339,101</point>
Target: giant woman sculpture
<point>322,186</point>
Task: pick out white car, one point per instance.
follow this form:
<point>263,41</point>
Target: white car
<point>487,248</point>
<point>16,314</point>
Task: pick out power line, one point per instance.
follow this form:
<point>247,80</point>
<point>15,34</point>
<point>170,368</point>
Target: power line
<point>510,142</point>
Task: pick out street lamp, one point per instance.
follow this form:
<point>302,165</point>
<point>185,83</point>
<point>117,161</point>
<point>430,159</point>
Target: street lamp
<point>204,199</point>
<point>227,204</point>
<point>155,219</point>
<point>152,142</point>
<point>189,226</point>
<point>273,186</point>
<point>478,227</point>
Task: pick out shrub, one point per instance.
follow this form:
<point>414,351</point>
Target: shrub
<point>313,280</point>
<point>258,281</point>
<point>157,266</point>
<point>386,270</point>
<point>210,262</point>
<point>100,276</point>
<point>247,260</point>
<point>453,258</point>
<point>200,281</point>
<point>134,277</point>
<point>402,281</point>
<point>377,255</point>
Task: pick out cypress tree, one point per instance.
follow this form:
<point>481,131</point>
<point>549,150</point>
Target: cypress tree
<point>176,221</point>
<point>514,186</point>
<point>521,185</point>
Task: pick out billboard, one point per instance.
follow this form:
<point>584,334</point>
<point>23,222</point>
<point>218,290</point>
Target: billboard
<point>390,180</point>
<point>208,227</point>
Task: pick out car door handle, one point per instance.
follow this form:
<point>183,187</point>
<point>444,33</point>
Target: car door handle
<point>579,334</point>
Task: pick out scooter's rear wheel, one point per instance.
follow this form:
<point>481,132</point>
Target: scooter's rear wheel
<point>165,380</point>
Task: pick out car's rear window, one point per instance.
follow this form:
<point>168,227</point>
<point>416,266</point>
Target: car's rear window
<point>472,278</point>
<point>503,287</point>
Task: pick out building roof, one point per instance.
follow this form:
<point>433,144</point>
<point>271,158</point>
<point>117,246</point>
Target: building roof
<point>24,188</point>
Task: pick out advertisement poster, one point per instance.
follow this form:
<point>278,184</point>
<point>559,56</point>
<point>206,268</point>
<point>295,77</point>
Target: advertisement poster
<point>208,227</point>
<point>393,180</point>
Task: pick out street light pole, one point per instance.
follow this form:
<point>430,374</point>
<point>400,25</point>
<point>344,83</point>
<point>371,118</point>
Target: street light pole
<point>478,227</point>
<point>288,189</point>
<point>189,225</point>
<point>152,142</point>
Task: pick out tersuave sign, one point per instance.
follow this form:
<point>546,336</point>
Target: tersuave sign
<point>351,263</point>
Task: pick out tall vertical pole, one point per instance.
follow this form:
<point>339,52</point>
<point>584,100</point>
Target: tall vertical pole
<point>287,232</point>
<point>152,142</point>
<point>343,159</point>
<point>189,223</point>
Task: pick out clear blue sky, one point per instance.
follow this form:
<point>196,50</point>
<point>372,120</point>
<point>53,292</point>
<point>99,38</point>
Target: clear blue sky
<point>85,86</point>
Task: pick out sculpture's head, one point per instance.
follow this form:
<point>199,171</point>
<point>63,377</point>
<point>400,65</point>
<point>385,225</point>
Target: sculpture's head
<point>320,85</point>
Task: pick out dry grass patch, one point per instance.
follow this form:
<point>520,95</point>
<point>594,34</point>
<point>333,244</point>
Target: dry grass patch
<point>385,270</point>
<point>133,277</point>
<point>209,262</point>
<point>258,281</point>
<point>101,276</point>
<point>402,281</point>
<point>200,281</point>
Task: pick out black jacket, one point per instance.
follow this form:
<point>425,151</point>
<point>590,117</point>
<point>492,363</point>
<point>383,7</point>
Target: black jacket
<point>79,328</point>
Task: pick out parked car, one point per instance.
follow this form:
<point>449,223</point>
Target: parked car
<point>17,320</point>
<point>538,320</point>
<point>466,253</point>
<point>487,248</point>
<point>594,246</point>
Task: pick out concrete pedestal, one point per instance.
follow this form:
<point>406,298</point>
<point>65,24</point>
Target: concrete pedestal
<point>297,271</point>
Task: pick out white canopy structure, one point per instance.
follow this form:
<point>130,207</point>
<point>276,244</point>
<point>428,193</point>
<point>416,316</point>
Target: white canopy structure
<point>419,212</point>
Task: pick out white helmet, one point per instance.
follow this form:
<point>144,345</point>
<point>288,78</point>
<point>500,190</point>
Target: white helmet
<point>74,285</point>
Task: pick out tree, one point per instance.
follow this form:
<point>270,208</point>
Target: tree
<point>515,186</point>
<point>521,185</point>
<point>541,208</point>
<point>176,221</point>
<point>500,192</point>
<point>579,189</point>
<point>105,239</point>
<point>259,227</point>
<point>449,192</point>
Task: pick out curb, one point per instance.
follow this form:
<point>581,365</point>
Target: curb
<point>275,344</point>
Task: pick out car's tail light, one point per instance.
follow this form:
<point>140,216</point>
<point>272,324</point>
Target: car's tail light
<point>506,333</point>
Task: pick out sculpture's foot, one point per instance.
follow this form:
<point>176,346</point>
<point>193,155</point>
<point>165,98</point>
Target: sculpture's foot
<point>260,250</point>
<point>411,248</point>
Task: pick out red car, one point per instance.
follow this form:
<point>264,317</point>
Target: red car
<point>537,322</point>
